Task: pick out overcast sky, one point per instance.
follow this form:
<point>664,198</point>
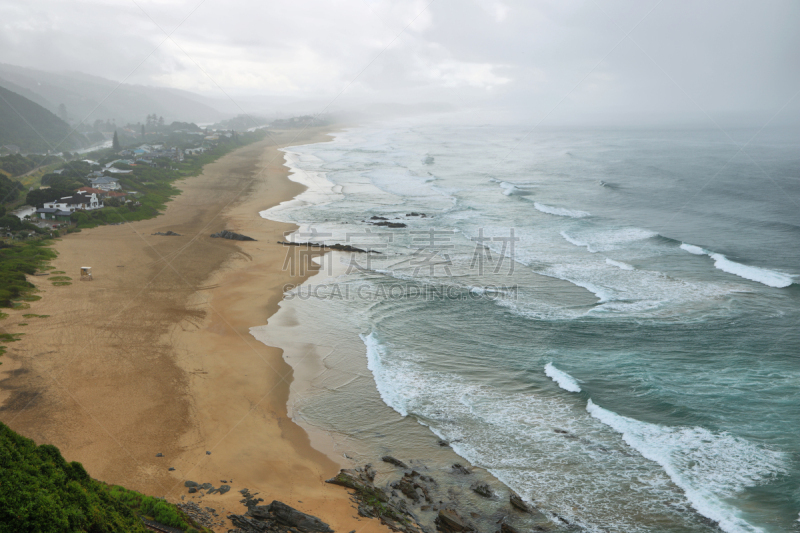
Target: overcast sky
<point>575,57</point>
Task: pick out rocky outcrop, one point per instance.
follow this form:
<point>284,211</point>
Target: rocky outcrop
<point>225,234</point>
<point>392,461</point>
<point>277,517</point>
<point>482,489</point>
<point>449,521</point>
<point>389,224</point>
<point>336,247</point>
<point>169,233</point>
<point>374,502</point>
<point>519,503</point>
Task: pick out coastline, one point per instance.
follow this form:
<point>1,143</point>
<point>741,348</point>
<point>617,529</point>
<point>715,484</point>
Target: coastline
<point>155,356</point>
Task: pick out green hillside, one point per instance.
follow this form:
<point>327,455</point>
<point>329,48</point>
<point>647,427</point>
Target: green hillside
<point>42,492</point>
<point>31,127</point>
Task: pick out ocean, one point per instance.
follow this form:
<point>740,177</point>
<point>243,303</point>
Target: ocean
<point>606,321</point>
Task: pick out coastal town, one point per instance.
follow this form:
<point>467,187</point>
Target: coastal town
<point>78,192</point>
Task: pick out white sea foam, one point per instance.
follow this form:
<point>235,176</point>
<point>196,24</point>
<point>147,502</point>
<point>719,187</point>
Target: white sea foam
<point>509,189</point>
<point>573,240</point>
<point>692,249</point>
<point>560,211</point>
<point>770,278</point>
<point>375,356</point>
<point>564,380</point>
<point>572,463</point>
<point>606,239</point>
<point>619,264</point>
<point>709,467</point>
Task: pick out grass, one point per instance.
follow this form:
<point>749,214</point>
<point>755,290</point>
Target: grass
<point>17,261</point>
<point>60,278</point>
<point>57,271</point>
<point>62,283</point>
<point>33,315</point>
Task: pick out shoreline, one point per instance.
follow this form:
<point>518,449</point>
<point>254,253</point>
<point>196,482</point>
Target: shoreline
<point>155,356</point>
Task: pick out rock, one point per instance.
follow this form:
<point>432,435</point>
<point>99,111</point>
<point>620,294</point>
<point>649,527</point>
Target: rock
<point>449,522</point>
<point>519,503</point>
<point>225,234</point>
<point>191,484</point>
<point>370,472</point>
<point>223,489</point>
<point>159,454</point>
<point>506,528</point>
<point>390,224</point>
<point>392,461</point>
<point>289,517</point>
<point>206,486</point>
<point>443,443</point>
<point>169,233</point>
<point>171,469</point>
<point>192,490</point>
<point>208,452</point>
<point>483,489</point>
<point>378,218</point>
<point>458,468</point>
<point>336,246</point>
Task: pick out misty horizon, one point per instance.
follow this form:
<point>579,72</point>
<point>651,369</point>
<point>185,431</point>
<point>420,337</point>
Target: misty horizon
<point>711,63</point>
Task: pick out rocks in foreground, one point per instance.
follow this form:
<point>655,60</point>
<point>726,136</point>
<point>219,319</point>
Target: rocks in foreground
<point>225,234</point>
<point>169,233</point>
<point>277,517</point>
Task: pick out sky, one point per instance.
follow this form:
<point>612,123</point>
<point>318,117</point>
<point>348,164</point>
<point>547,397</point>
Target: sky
<point>572,59</point>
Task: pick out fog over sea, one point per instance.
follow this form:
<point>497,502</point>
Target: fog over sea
<point>607,321</point>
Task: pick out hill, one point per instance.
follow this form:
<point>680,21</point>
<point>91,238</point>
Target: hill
<point>89,98</point>
<point>33,128</point>
<point>41,491</point>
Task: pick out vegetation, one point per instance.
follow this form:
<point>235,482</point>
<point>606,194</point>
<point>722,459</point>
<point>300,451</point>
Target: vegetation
<point>31,127</point>
<point>40,491</point>
<point>153,184</point>
<point>15,262</point>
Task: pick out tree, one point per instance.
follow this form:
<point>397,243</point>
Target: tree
<point>160,122</point>
<point>115,141</point>
<point>142,131</point>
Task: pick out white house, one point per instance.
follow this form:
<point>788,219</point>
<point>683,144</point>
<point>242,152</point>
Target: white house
<point>77,202</point>
<point>106,183</point>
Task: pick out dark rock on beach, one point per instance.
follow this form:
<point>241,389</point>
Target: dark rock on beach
<point>390,224</point>
<point>225,234</point>
<point>169,233</point>
<point>449,521</point>
<point>458,468</point>
<point>482,489</point>
<point>336,247</point>
<point>520,504</point>
<point>278,517</point>
<point>392,461</point>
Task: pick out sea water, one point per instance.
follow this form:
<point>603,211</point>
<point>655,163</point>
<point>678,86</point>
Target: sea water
<point>607,321</point>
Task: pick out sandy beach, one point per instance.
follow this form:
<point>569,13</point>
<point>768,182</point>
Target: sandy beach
<point>155,356</point>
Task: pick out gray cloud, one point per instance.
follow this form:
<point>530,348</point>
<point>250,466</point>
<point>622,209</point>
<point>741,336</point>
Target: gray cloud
<point>689,58</point>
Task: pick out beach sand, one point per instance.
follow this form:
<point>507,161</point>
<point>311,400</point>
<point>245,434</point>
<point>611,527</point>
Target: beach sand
<point>155,355</point>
